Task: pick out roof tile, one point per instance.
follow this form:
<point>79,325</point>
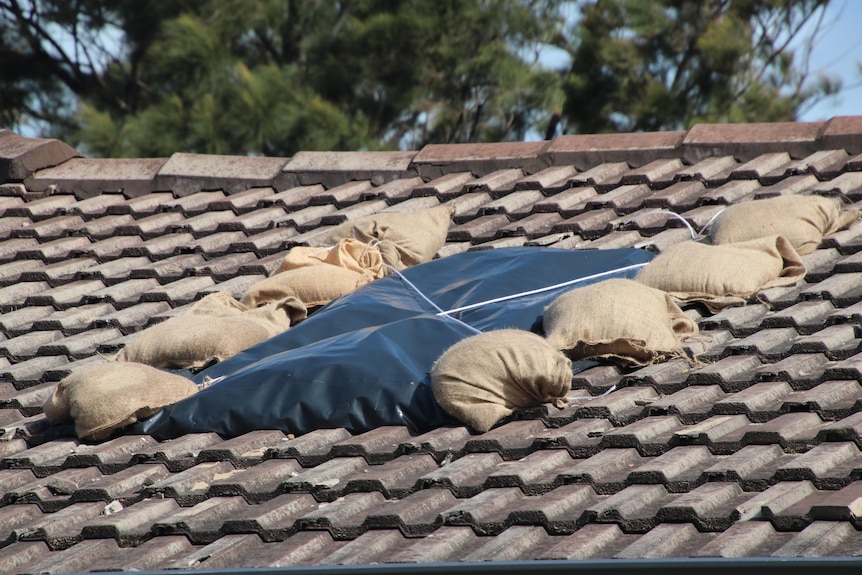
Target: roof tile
<point>245,201</point>
<point>843,132</point>
<point>634,508</point>
<point>186,174</point>
<point>190,486</point>
<point>448,544</point>
<point>638,149</point>
<point>97,206</point>
<point>665,540</point>
<point>744,539</point>
<point>752,467</point>
<point>334,168</point>
<point>87,178</point>
<point>590,542</point>
<point>435,160</point>
<point>550,180</point>
<point>746,141</point>
<point>821,539</point>
<point>21,156</point>
<point>201,523</point>
<point>463,476</point>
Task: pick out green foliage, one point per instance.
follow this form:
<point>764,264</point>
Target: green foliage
<point>667,64</point>
<point>149,78</point>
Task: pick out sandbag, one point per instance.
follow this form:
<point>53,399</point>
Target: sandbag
<point>347,253</point>
<point>312,285</point>
<point>405,238</point>
<point>485,377</point>
<point>723,275</point>
<point>802,220</point>
<point>618,319</point>
<point>212,330</point>
<point>108,396</point>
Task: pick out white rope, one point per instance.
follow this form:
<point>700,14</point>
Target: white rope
<point>574,397</point>
<point>427,299</point>
<point>669,213</point>
<point>691,230</point>
<point>541,290</point>
<point>712,219</point>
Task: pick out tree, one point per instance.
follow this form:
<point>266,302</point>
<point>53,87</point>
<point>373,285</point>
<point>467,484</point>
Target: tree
<point>667,64</point>
<point>148,78</point>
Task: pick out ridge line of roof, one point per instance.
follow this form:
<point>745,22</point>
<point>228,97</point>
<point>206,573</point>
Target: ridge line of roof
<point>44,166</point>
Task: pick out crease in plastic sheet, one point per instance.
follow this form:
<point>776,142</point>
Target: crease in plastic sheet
<point>363,360</point>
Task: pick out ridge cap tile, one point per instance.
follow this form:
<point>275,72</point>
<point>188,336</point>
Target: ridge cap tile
<point>335,168</point>
<point>745,141</point>
<point>586,151</point>
<point>436,160</point>
<point>21,156</point>
<point>185,174</point>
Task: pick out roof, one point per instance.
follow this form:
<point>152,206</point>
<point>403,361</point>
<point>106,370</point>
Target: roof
<point>754,454</point>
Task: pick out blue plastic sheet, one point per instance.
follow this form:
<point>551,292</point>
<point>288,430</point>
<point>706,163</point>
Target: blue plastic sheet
<point>363,361</point>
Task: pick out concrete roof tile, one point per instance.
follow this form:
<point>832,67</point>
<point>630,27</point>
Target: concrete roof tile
<point>821,539</point>
<point>590,542</point>
<point>847,184</point>
<point>463,476</point>
<point>497,182</point>
<point>802,371</point>
<point>567,203</point>
<point>650,435</point>
<point>589,225</point>
<point>512,203</point>
<point>634,508</point>
<point>81,345</point>
<point>665,540</point>
<point>638,149</point>
<point>448,544</point>
<point>335,168</point>
<point>186,174</point>
<point>201,523</point>
<point>245,201</point>
<point>798,138</point>
<point>843,132</point>
<point>446,186</point>
<point>744,539</point>
<point>88,178</point>
<point>477,230</point>
<point>550,180</point>
<point>435,160</point>
<point>830,399</point>
<point>21,156</point>
<point>532,226</point>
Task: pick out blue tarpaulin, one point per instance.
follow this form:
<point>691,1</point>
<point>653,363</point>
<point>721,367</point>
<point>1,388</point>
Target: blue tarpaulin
<point>363,360</point>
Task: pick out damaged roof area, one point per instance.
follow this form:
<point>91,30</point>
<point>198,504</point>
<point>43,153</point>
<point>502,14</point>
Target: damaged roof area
<point>753,453</point>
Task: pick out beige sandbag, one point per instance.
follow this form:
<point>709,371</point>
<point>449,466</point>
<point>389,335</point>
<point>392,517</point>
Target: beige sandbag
<point>348,253</point>
<point>406,238</point>
<point>214,329</point>
<point>723,275</point>
<point>105,397</point>
<point>484,378</point>
<point>618,319</point>
<point>312,285</point>
<point>802,220</point>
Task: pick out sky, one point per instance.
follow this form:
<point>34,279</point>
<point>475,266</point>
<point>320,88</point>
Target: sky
<point>839,52</point>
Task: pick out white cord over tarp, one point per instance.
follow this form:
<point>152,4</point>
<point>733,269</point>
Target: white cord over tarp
<point>447,313</point>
